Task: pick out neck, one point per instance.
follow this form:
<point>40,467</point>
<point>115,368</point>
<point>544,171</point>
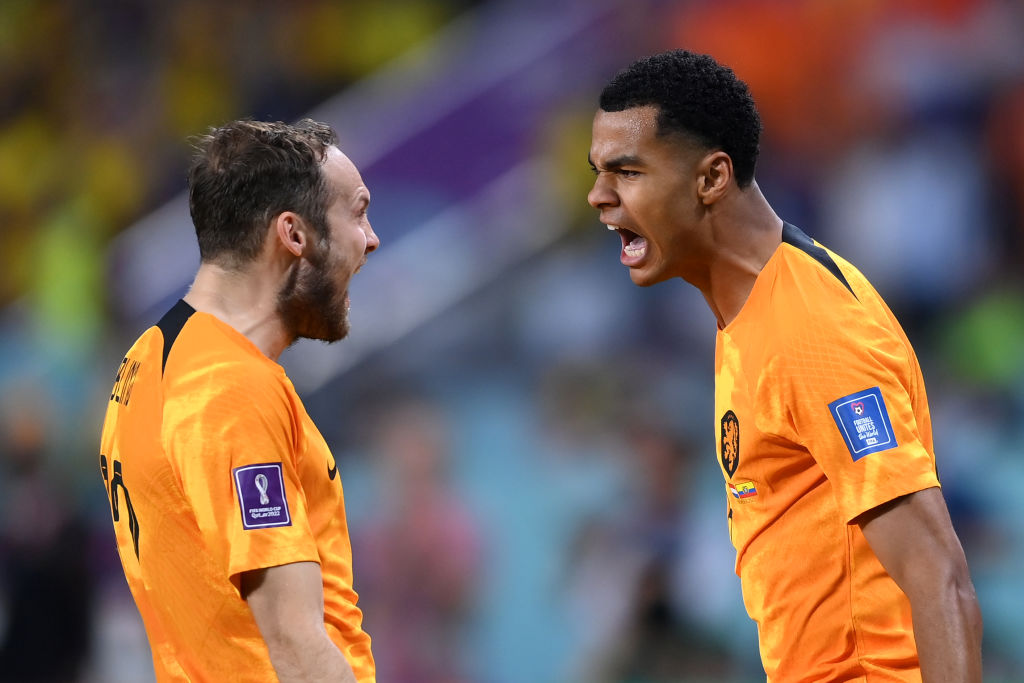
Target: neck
<point>243,299</point>
<point>744,233</point>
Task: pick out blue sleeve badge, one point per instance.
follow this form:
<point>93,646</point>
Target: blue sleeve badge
<point>261,496</point>
<point>864,422</point>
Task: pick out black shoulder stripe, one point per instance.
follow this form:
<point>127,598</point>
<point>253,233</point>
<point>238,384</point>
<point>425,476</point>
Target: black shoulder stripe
<point>799,239</point>
<point>170,325</point>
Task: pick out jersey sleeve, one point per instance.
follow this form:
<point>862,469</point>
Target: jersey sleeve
<point>852,395</point>
<point>235,447</point>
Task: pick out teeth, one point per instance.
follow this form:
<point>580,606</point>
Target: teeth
<point>613,227</point>
<point>638,250</point>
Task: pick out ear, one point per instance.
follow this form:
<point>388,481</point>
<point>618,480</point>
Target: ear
<point>291,232</point>
<point>714,175</point>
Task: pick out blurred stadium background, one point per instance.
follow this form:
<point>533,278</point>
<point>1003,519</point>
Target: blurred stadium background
<point>525,438</point>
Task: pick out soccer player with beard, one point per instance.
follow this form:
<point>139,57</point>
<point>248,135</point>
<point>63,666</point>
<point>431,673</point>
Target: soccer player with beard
<point>228,513</point>
<point>845,550</point>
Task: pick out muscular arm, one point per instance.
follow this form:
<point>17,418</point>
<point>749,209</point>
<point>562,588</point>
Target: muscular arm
<point>288,604</point>
<point>915,542</point>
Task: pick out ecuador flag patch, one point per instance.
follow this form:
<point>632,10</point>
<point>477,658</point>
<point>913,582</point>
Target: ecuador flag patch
<point>743,491</point>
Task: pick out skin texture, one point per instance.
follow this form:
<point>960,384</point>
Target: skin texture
<point>914,539</point>
<point>296,287</point>
<point>639,181</point>
<point>313,302</point>
<point>288,605</point>
<point>699,225</point>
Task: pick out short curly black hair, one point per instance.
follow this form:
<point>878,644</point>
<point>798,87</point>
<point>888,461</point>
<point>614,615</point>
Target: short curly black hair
<point>695,96</point>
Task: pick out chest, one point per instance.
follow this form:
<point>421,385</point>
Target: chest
<point>757,449</point>
<point>318,473</point>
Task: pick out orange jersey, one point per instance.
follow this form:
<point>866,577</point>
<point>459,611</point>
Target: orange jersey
<point>214,468</point>
<point>822,416</point>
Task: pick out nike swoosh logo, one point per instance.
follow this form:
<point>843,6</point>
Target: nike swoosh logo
<point>332,472</point>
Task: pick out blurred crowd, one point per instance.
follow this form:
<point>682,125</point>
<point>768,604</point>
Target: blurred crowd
<point>530,475</point>
<point>97,100</point>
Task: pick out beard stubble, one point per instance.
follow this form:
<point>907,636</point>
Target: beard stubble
<point>310,304</point>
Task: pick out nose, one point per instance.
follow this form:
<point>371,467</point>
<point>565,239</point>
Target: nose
<point>601,194</point>
<point>372,241</point>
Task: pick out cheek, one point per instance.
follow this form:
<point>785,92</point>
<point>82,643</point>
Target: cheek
<point>357,246</point>
<point>672,210</point>
<point>653,208</point>
<point>349,250</point>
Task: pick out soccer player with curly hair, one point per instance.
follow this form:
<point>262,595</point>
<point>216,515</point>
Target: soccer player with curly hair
<point>847,557</point>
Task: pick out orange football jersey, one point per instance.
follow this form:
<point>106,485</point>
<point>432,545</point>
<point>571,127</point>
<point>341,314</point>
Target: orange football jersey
<point>213,468</point>
<point>822,415</point>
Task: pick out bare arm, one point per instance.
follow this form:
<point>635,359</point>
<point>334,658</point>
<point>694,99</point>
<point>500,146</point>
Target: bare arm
<point>288,604</point>
<point>915,542</point>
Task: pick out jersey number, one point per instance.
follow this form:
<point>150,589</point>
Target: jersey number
<point>114,482</point>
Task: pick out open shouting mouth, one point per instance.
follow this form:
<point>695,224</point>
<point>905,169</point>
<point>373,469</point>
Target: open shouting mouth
<point>634,246</point>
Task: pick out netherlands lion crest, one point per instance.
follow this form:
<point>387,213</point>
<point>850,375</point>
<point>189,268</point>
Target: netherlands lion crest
<point>730,442</point>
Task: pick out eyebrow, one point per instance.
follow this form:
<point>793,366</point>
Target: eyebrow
<point>618,162</point>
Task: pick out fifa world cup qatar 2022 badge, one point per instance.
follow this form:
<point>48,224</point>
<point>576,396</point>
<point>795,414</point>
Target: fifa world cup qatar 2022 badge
<point>261,496</point>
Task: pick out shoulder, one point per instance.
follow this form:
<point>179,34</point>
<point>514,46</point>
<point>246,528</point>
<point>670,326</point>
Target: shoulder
<point>818,291</point>
<point>821,304</point>
<point>211,369</point>
<point>829,321</point>
<point>812,263</point>
<point>806,306</point>
<point>817,280</point>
